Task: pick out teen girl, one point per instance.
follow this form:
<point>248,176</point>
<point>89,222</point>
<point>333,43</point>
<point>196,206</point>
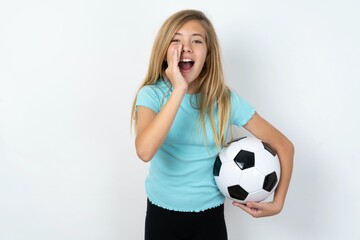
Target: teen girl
<point>182,113</point>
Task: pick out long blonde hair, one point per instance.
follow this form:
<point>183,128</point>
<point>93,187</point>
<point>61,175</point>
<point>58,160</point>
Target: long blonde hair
<point>210,82</point>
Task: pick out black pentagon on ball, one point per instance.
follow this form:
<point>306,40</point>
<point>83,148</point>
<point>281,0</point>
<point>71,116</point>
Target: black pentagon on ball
<point>217,166</point>
<point>268,148</point>
<point>237,192</point>
<point>245,159</point>
<point>270,181</point>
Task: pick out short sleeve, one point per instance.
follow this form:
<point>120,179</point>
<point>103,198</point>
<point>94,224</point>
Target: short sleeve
<point>241,110</point>
<point>148,97</point>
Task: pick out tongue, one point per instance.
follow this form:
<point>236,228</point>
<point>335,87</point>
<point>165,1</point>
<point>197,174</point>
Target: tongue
<point>185,65</point>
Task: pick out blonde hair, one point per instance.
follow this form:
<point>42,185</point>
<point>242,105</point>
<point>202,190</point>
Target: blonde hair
<point>210,82</point>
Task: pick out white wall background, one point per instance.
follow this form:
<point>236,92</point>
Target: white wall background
<point>68,74</point>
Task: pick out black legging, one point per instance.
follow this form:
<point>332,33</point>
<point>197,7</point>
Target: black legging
<point>163,224</point>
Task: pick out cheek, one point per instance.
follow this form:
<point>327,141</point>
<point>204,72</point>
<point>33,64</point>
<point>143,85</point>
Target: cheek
<point>202,58</point>
<point>203,54</point>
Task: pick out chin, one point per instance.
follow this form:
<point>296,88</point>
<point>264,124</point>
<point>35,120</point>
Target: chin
<point>189,80</point>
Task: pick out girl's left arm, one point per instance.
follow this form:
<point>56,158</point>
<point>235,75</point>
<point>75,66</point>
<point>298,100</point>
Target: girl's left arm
<point>263,130</point>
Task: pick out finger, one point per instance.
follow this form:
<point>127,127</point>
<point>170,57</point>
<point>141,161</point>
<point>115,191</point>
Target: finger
<point>249,208</point>
<point>247,205</point>
<point>238,204</point>
<point>242,206</point>
<point>173,60</point>
<point>254,205</point>
<point>256,208</point>
<point>176,55</point>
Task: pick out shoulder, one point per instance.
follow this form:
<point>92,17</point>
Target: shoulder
<point>153,96</point>
<point>235,98</point>
<point>241,109</point>
<point>160,88</point>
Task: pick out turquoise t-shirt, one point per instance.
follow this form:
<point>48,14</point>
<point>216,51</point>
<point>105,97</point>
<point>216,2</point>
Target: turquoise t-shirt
<point>180,175</point>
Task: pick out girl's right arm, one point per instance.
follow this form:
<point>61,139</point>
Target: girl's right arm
<point>151,127</point>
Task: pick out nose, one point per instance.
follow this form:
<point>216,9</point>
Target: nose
<point>186,48</point>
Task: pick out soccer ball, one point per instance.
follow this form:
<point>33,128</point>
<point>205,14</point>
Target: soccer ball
<point>247,170</point>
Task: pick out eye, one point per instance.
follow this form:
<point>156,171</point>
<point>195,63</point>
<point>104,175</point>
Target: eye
<point>175,40</point>
<point>197,41</point>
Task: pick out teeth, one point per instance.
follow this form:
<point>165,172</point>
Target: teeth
<point>186,60</point>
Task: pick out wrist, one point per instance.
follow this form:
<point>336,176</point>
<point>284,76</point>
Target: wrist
<point>180,90</point>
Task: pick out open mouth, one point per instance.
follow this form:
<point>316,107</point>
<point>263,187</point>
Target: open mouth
<point>186,64</point>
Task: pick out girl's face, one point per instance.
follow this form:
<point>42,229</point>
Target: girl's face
<point>191,38</point>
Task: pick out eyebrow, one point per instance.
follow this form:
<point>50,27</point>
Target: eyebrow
<point>194,34</point>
